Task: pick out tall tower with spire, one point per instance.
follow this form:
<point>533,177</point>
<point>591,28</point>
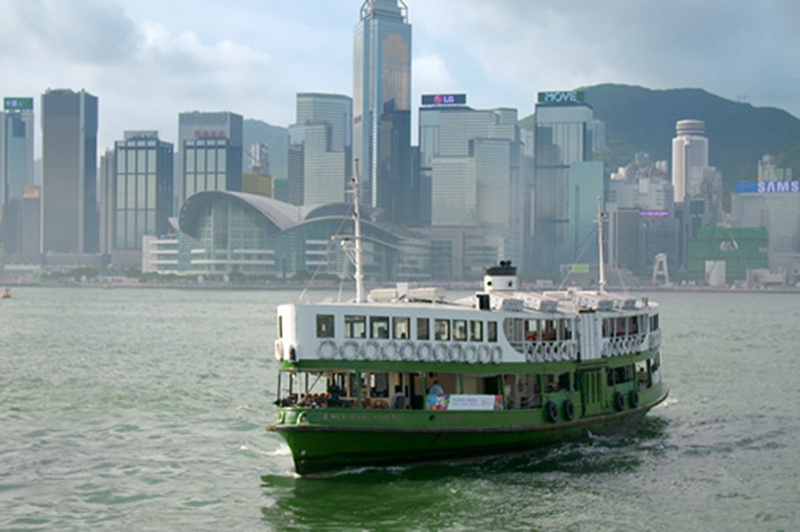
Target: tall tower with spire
<point>382,105</point>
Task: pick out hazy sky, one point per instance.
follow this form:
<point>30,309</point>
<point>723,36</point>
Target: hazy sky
<point>148,60</point>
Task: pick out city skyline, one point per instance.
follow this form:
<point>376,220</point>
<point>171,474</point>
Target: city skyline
<point>147,63</point>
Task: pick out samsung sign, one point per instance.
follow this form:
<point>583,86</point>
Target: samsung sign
<point>562,97</point>
<point>768,187</point>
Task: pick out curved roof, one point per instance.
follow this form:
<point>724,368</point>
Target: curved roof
<point>284,216</point>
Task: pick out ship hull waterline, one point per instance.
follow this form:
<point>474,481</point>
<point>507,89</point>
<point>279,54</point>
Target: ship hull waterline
<point>320,449</point>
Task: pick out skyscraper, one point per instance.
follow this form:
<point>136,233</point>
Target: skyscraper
<point>471,159</point>
<point>320,148</point>
<point>382,105</point>
<point>69,172</point>
<point>16,147</point>
<point>16,165</point>
<point>210,147</point>
<point>689,157</point>
<point>141,193</point>
<point>564,134</point>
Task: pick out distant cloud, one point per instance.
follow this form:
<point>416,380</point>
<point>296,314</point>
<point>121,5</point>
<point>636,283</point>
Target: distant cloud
<point>84,31</point>
<point>430,74</point>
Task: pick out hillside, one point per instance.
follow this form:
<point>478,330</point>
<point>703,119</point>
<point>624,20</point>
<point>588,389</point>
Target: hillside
<point>640,119</point>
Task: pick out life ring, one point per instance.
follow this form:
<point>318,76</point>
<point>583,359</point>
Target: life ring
<point>440,352</point>
<point>569,410</point>
<point>327,350</point>
<point>278,350</point>
<point>370,350</point>
<point>552,411</point>
<point>619,401</point>
<point>470,353</point>
<point>497,354</point>
<point>481,354</point>
<point>407,351</point>
<point>390,351</point>
<point>633,397</point>
<point>424,352</point>
<point>456,353</point>
<point>349,350</point>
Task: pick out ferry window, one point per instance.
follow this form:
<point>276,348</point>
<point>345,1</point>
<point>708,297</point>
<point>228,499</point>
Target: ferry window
<point>513,328</point>
<point>400,328</point>
<point>460,330</point>
<point>355,327</point>
<point>654,322</point>
<point>532,330</point>
<point>324,325</point>
<point>491,331</point>
<point>441,330</point>
<point>423,332</point>
<point>476,331</point>
<point>619,327</point>
<point>567,331</point>
<point>280,326</point>
<point>379,327</point>
<point>549,333</point>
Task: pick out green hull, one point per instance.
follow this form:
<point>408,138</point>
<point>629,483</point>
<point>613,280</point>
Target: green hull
<point>324,440</point>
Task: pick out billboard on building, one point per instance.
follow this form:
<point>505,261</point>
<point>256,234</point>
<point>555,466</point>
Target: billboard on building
<point>444,99</point>
<point>561,97</point>
<point>13,104</point>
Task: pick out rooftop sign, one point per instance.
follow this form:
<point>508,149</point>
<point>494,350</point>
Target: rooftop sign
<point>768,187</point>
<point>562,97</point>
<point>444,99</point>
<point>10,104</point>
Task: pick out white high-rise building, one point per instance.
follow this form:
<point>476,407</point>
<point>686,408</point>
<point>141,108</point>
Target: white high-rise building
<point>689,157</point>
<point>320,149</point>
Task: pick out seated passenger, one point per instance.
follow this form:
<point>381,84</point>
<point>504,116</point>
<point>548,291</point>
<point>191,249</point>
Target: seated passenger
<point>436,389</point>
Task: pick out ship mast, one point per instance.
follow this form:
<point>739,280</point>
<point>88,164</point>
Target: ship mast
<point>359,274</point>
<point>600,220</point>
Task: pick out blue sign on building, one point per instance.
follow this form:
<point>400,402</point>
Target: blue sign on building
<point>768,187</point>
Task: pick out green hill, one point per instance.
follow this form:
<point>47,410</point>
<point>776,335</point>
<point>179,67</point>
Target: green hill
<point>639,119</point>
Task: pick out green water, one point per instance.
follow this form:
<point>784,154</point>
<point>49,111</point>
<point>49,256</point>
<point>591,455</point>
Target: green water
<point>141,409</point>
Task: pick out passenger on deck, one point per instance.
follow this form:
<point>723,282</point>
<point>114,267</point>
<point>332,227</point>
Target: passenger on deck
<point>436,389</point>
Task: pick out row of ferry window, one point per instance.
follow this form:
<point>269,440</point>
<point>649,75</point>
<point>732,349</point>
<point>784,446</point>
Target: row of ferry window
<point>399,328</point>
<point>630,325</point>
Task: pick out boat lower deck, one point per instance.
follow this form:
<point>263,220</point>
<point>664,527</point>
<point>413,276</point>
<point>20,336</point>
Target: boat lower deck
<point>328,439</point>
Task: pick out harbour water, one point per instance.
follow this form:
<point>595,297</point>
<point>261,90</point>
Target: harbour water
<point>144,409</point>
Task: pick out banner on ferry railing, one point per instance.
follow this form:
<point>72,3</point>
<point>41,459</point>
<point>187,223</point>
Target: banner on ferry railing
<point>463,402</point>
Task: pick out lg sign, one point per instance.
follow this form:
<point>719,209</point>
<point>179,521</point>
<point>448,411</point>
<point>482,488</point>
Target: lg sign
<point>561,97</point>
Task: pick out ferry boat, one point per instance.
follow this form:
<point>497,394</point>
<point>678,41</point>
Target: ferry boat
<point>403,375</point>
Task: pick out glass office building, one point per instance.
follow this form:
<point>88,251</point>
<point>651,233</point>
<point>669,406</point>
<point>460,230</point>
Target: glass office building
<point>320,151</point>
<point>69,172</point>
<point>142,194</point>
<point>16,166</point>
<point>382,105</point>
<point>563,135</point>
<point>210,146</point>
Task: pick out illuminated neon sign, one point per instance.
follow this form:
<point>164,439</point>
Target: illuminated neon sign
<point>562,97</point>
<point>444,99</point>
<point>17,103</point>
